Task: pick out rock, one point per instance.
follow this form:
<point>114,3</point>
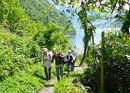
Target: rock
<point>75,80</point>
<point>78,84</point>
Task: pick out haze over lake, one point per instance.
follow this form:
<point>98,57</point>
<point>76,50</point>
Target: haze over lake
<point>77,40</point>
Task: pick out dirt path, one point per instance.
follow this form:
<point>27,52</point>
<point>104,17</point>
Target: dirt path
<point>48,88</point>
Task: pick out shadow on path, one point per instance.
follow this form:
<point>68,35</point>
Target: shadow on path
<point>77,66</point>
<point>49,85</point>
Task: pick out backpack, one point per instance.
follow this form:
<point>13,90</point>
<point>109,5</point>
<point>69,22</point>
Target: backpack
<point>72,57</point>
<point>70,60</point>
<point>65,60</point>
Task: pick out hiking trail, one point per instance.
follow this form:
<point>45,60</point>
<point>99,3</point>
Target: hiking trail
<point>48,88</point>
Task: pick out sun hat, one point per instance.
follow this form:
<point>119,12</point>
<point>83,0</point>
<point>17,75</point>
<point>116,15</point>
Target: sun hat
<point>53,49</point>
<point>73,49</point>
<point>45,49</point>
<point>69,51</point>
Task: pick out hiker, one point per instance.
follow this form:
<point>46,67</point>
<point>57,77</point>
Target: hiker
<point>46,59</point>
<point>70,58</point>
<point>58,60</point>
<point>73,52</point>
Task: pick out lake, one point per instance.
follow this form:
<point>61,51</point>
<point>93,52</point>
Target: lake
<point>77,40</point>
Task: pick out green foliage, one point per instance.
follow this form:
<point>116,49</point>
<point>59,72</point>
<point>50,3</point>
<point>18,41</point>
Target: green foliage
<point>66,86</point>
<point>18,70</point>
<point>37,70</point>
<point>52,37</point>
<point>116,64</point>
<point>63,86</point>
<point>126,24</point>
<point>21,43</point>
<point>84,7</point>
<point>15,52</point>
<point>14,19</point>
<point>21,82</point>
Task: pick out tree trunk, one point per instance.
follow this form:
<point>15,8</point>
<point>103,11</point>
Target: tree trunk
<point>85,39</point>
<point>84,55</point>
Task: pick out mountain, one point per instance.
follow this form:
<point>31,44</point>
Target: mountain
<point>42,10</point>
<point>74,20</point>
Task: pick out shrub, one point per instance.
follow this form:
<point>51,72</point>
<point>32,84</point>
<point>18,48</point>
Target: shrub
<point>116,64</point>
<point>21,82</point>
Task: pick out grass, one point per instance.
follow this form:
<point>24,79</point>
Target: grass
<point>21,82</point>
<point>65,85</point>
<point>30,80</point>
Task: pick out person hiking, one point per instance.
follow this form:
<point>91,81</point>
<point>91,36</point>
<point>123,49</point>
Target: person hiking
<point>46,59</point>
<point>58,60</point>
<point>73,52</point>
<point>70,58</point>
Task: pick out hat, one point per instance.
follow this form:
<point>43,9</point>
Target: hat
<point>45,50</point>
<point>69,51</point>
<point>53,49</point>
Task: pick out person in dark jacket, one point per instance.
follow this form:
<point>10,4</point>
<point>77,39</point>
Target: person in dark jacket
<point>58,60</point>
<point>70,58</point>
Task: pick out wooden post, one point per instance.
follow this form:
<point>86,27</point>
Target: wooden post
<point>102,65</point>
<point>93,50</point>
<point>93,40</point>
<point>126,38</point>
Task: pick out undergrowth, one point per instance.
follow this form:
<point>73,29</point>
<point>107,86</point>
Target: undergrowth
<point>65,85</point>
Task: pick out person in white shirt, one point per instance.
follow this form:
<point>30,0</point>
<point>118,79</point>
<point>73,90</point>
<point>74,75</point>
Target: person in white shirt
<point>46,59</point>
<point>73,52</point>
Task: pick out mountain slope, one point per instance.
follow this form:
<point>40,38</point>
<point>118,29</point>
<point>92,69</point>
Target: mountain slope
<point>42,10</point>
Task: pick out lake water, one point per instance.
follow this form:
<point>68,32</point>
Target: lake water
<point>77,40</point>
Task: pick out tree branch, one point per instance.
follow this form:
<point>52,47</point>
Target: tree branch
<point>127,3</point>
<point>114,6</point>
<point>86,13</point>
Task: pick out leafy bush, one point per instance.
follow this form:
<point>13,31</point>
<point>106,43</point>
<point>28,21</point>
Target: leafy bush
<point>38,70</point>
<point>52,37</point>
<point>66,86</point>
<point>116,65</point>
<point>21,82</point>
<point>15,52</point>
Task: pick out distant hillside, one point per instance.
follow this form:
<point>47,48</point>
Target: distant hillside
<point>42,10</point>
